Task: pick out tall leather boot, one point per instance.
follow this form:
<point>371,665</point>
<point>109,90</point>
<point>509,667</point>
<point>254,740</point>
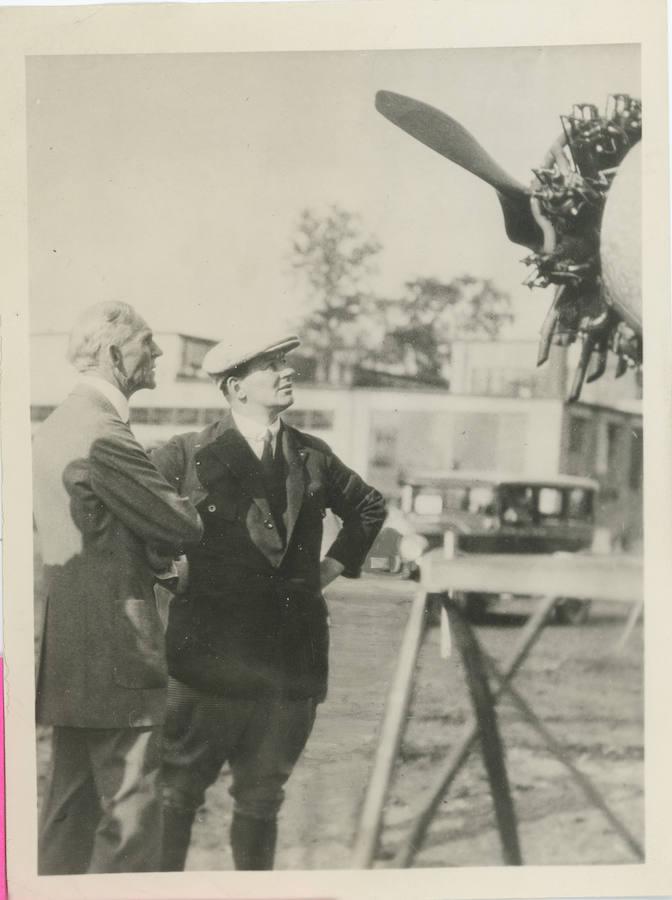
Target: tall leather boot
<point>253,842</point>
<point>176,836</point>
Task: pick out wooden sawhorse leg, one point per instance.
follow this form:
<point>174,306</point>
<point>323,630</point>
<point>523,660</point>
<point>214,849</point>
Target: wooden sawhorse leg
<point>391,733</point>
<point>423,818</point>
<point>392,729</point>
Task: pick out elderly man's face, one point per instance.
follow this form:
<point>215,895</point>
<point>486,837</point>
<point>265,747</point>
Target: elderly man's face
<point>138,355</point>
<point>268,383</point>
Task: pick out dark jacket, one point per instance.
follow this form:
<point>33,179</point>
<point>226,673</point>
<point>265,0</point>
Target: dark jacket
<point>254,619</point>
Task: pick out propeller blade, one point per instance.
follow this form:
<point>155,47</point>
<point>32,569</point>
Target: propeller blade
<point>581,368</point>
<point>443,134</point>
<point>548,327</point>
<point>521,227</point>
<point>600,365</point>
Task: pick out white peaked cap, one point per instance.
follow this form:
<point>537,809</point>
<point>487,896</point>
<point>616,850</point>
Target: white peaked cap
<point>243,346</point>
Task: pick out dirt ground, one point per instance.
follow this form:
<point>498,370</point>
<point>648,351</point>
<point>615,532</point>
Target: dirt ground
<point>588,695</point>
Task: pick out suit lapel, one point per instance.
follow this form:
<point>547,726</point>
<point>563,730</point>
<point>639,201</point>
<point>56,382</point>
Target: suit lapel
<point>232,451</point>
<point>295,458</point>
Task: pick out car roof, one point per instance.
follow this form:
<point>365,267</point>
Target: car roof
<point>464,476</point>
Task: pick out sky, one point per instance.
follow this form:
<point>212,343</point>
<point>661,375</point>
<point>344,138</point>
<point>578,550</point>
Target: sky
<point>175,182</point>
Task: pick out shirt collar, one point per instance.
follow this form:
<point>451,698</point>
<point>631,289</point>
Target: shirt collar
<point>112,393</point>
<point>253,431</point>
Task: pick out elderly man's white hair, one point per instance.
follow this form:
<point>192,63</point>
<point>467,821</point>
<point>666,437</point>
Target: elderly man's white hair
<point>99,327</point>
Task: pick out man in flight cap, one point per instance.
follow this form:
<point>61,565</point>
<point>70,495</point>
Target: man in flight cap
<point>248,642</point>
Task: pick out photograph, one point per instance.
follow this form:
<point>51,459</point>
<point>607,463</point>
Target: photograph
<point>337,435</point>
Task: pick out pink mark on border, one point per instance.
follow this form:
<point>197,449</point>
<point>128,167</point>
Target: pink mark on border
<point>3,847</point>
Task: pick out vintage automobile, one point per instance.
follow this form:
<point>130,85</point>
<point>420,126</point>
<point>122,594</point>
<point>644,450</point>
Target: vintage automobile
<point>480,512</point>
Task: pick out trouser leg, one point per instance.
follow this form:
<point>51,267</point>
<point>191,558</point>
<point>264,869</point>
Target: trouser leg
<point>126,766</point>
<point>194,751</point>
<point>261,739</point>
<point>253,842</point>
<point>70,808</point>
<point>261,764</point>
<point>177,825</point>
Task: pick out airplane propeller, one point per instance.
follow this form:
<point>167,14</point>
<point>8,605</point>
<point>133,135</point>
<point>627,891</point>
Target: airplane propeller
<point>579,241</point>
<point>446,136</point>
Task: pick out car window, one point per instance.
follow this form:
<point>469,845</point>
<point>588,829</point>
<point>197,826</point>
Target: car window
<point>428,502</point>
<point>517,504</point>
<point>549,502</point>
<point>482,500</point>
<point>579,504</point>
<point>455,498</point>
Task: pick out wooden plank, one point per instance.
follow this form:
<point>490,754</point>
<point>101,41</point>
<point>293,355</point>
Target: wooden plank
<point>612,578</point>
<point>391,733</point>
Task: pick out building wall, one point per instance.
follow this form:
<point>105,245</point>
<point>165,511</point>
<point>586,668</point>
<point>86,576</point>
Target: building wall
<point>607,444</point>
<point>507,369</point>
<point>439,430</point>
<point>385,432</point>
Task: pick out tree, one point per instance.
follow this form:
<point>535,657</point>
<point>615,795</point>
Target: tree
<point>408,335</point>
<point>420,326</point>
<point>335,260</point>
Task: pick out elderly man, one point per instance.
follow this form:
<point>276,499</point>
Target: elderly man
<point>102,512</point>
<point>247,647</point>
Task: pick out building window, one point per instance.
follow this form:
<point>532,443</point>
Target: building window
<point>320,419</point>
<point>139,415</point>
<point>188,416</point>
<point>211,415</point>
<point>310,419</point>
<point>153,415</point>
<point>502,382</point>
<point>614,433</point>
<point>578,434</point>
<point>384,447</point>
<point>193,351</point>
<point>636,459</point>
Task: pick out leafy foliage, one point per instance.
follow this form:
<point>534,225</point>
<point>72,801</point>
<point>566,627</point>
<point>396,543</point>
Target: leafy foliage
<point>419,327</point>
<point>335,260</point>
<point>408,335</point>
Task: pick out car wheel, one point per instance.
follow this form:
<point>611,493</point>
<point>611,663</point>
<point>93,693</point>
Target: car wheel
<point>571,611</point>
<point>410,571</point>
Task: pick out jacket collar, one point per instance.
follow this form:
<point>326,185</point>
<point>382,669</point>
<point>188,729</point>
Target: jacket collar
<point>104,395</point>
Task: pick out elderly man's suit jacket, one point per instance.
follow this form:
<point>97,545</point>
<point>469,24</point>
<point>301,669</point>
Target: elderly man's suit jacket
<point>98,500</point>
<point>254,619</point>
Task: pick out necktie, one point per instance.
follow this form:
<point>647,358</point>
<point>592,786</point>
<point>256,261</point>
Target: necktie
<point>274,478</point>
<point>267,456</point>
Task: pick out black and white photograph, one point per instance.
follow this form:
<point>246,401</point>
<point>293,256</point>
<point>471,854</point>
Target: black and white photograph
<point>339,417</point>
